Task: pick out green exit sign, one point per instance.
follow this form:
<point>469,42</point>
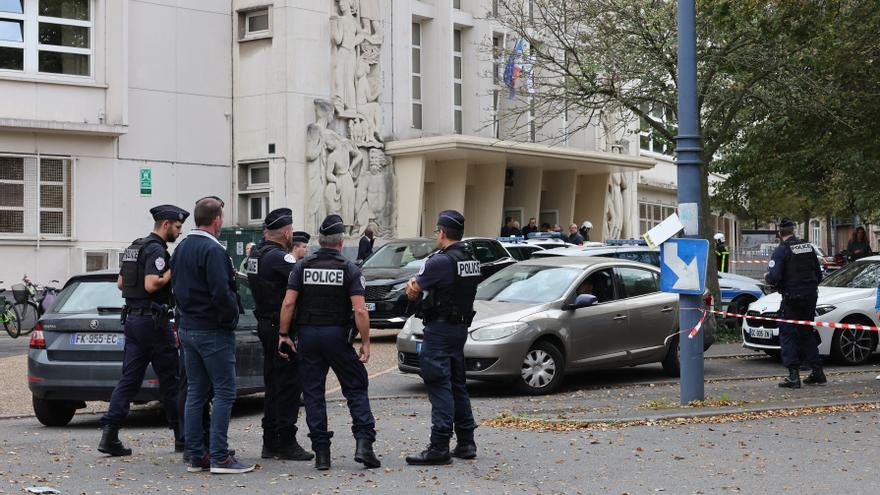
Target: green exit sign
<point>146,181</point>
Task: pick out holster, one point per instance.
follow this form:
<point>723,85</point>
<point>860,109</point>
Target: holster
<point>124,315</point>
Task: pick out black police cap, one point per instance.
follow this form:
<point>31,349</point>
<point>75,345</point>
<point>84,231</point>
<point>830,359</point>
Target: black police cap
<point>787,222</point>
<point>280,217</point>
<point>169,212</point>
<point>332,225</point>
<point>451,219</point>
<point>300,236</point>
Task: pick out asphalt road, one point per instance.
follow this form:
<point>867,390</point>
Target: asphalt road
<point>13,347</point>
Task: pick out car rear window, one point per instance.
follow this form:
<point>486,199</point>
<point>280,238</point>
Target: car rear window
<point>88,296</point>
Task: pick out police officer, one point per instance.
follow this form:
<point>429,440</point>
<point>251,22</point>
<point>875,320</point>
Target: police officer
<point>300,245</point>
<point>795,271</point>
<point>450,277</point>
<point>268,268</point>
<point>145,281</point>
<point>323,289</point>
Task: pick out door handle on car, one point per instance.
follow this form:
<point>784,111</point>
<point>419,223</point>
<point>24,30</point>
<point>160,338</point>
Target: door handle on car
<point>619,317</point>
<point>666,309</point>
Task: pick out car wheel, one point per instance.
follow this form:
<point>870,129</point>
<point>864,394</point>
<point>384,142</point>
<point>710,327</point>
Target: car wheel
<point>853,347</point>
<point>739,306</point>
<point>54,412</point>
<point>671,363</point>
<point>542,369</point>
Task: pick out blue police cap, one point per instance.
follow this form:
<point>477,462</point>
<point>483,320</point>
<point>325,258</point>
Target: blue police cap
<point>281,217</point>
<point>300,236</point>
<point>451,219</point>
<point>332,225</point>
<point>169,212</point>
<point>787,222</point>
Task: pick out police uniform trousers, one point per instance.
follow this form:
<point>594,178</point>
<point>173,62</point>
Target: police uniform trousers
<point>442,368</point>
<point>319,349</point>
<point>799,343</point>
<point>145,343</point>
<point>282,383</point>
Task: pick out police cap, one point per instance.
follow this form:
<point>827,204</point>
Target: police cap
<point>332,225</point>
<point>169,212</point>
<point>451,219</point>
<point>278,218</point>
<point>786,222</point>
<point>300,236</point>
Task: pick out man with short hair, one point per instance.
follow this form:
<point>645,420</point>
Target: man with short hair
<point>574,236</point>
<point>144,279</point>
<point>530,228</point>
<point>507,230</point>
<point>322,291</point>
<point>300,245</point>
<point>451,276</point>
<point>268,268</point>
<point>203,279</point>
<point>365,245</point>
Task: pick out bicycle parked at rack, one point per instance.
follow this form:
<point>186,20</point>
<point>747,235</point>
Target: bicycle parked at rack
<point>8,315</point>
<point>31,302</point>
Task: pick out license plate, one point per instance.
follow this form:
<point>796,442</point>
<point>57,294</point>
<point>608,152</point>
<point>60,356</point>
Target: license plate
<point>418,347</point>
<point>97,339</point>
<point>762,333</point>
<point>371,306</point>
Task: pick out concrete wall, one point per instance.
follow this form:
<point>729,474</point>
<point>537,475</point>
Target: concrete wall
<point>589,203</point>
<point>525,192</point>
<point>558,193</point>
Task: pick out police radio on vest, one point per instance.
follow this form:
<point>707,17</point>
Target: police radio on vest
<point>469,269</point>
<point>323,276</point>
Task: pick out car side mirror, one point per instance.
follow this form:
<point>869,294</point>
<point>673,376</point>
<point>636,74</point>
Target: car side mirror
<point>583,301</point>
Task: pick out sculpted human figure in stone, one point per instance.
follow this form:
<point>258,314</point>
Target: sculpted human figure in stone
<point>339,194</point>
<point>367,104</point>
<point>346,34</point>
<point>371,20</point>
<point>316,159</point>
<point>614,207</point>
<point>374,194</point>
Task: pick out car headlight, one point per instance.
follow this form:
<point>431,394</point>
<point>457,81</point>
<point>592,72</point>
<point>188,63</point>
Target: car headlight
<point>824,309</point>
<point>498,331</point>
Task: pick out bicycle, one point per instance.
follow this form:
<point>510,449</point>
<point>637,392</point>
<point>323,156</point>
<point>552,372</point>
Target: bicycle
<point>9,316</point>
<point>31,302</point>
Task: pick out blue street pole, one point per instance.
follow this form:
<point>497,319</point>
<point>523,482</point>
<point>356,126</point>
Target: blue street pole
<point>688,149</point>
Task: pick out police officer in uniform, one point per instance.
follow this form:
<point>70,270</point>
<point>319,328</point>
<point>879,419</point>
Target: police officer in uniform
<point>795,271</point>
<point>322,291</point>
<point>268,268</point>
<point>300,245</point>
<point>450,278</point>
<point>145,281</point>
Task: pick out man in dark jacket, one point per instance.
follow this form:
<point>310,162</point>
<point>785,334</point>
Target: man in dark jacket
<point>365,246</point>
<point>204,284</point>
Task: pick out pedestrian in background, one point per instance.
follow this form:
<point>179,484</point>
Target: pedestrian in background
<point>268,268</point>
<point>203,280</point>
<point>858,246</point>
<point>722,253</point>
<point>247,252</point>
<point>322,292</point>
<point>365,245</point>
<point>530,228</point>
<point>795,272</point>
<point>145,282</point>
<point>574,236</point>
<point>516,230</point>
<point>507,230</point>
<point>451,276</point>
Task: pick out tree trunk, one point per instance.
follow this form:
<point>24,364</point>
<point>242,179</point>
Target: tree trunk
<point>829,245</point>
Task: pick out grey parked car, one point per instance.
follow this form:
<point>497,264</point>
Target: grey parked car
<point>77,347</point>
<point>541,318</point>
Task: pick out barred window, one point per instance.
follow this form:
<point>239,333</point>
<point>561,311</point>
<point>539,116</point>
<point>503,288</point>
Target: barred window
<point>35,196</point>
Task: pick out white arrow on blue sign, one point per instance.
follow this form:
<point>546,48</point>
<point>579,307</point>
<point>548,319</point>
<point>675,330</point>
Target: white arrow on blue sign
<point>683,265</point>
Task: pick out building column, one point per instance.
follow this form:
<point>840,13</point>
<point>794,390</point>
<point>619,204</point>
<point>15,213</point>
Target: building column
<point>485,199</point>
<point>525,192</point>
<point>559,187</point>
<point>410,172</point>
<point>590,205</point>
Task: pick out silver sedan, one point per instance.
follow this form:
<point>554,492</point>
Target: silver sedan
<point>542,318</point>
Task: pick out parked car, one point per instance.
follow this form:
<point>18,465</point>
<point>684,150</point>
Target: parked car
<point>549,240</point>
<point>518,249</point>
<point>737,291</point>
<point>847,295</point>
<point>542,318</point>
<point>76,350</point>
<point>391,266</point>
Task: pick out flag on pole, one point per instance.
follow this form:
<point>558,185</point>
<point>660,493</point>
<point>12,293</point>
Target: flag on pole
<point>512,69</point>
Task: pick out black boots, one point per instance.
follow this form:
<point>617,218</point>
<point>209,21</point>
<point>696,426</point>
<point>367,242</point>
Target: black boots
<point>817,377</point>
<point>290,450</point>
<point>431,456</point>
<point>364,454</point>
<point>179,442</point>
<point>793,380</point>
<point>270,446</point>
<point>465,450</point>
<point>322,458</point>
<point>110,443</point>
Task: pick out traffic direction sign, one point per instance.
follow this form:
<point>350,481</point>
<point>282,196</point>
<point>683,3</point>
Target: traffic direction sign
<point>683,265</point>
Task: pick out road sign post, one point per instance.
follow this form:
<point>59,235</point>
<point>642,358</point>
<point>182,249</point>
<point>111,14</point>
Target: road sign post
<point>688,150</point>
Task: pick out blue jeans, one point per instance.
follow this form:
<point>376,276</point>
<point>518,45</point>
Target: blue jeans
<point>209,356</point>
<point>442,369</point>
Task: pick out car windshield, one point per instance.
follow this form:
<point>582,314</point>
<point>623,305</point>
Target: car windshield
<point>527,284</point>
<point>89,295</point>
<point>400,255</point>
<point>860,275</point>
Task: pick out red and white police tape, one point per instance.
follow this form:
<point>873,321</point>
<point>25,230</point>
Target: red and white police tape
<point>826,324</point>
<point>749,261</point>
